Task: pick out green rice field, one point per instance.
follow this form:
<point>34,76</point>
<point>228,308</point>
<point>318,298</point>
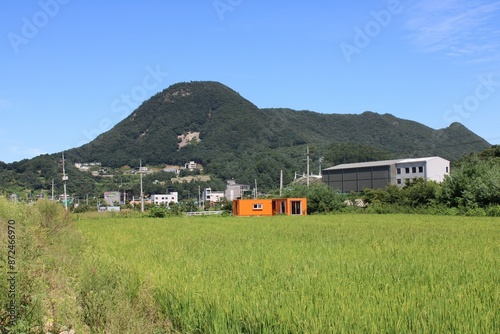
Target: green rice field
<point>315,274</point>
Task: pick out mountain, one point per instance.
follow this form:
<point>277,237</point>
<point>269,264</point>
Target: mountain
<point>229,124</point>
<point>212,124</point>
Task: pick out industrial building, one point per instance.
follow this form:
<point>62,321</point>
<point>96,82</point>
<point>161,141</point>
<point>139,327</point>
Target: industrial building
<point>355,177</point>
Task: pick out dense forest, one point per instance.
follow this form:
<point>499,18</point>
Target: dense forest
<point>235,140</point>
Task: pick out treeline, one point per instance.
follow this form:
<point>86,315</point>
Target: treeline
<point>472,188</point>
<point>29,178</point>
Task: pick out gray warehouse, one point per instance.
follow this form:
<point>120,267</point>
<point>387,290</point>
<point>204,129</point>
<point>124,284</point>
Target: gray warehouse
<point>379,174</point>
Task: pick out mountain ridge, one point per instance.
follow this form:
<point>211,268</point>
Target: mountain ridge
<point>236,139</point>
<point>226,120</point>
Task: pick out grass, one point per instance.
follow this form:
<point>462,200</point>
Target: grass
<point>46,246</point>
<point>315,274</point>
<point>348,273</point>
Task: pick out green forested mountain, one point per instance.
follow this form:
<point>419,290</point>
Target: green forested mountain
<point>231,125</point>
<point>239,140</point>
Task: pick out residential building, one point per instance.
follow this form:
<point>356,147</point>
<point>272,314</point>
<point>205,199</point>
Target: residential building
<point>165,199</point>
<point>191,178</point>
<point>85,166</point>
<point>191,166</point>
<point>135,202</point>
<point>270,207</point>
<point>379,174</point>
<point>172,169</point>
<point>210,197</point>
<point>234,190</point>
<point>112,197</point>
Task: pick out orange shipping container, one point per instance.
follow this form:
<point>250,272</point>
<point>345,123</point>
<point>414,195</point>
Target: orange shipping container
<point>270,207</point>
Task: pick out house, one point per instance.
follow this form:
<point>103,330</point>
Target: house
<point>191,178</point>
<point>138,202</point>
<point>209,196</point>
<point>85,166</point>
<point>379,174</point>
<point>234,190</point>
<point>172,169</point>
<point>165,199</point>
<point>111,197</point>
<point>191,166</point>
<point>270,207</point>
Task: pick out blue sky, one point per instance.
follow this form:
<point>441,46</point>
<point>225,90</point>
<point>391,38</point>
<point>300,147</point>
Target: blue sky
<point>71,69</point>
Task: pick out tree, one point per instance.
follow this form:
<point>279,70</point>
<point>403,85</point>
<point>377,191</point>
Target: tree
<point>420,192</point>
<point>474,183</point>
<point>320,197</point>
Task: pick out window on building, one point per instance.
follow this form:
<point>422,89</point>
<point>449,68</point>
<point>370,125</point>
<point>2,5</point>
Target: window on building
<point>398,170</point>
<point>421,169</point>
<point>446,169</point>
<point>414,169</point>
<point>399,181</point>
<point>407,170</point>
<point>257,206</point>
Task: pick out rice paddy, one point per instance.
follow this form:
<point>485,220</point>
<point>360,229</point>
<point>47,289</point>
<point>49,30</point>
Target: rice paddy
<point>314,274</point>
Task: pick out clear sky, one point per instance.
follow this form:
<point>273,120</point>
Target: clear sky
<point>71,69</point>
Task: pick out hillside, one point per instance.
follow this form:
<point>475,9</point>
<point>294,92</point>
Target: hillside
<point>213,125</point>
<point>228,123</point>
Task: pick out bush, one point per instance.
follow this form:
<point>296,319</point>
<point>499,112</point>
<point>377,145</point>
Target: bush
<point>50,213</point>
<point>476,212</point>
<point>81,208</point>
<point>493,211</point>
<point>158,212</point>
<point>320,197</point>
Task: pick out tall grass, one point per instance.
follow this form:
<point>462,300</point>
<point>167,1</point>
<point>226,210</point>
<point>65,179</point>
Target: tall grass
<point>315,274</point>
<point>46,248</point>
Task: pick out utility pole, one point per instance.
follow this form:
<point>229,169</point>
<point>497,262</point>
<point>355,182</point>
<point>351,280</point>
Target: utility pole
<point>320,161</point>
<point>199,197</point>
<point>142,193</point>
<point>281,182</point>
<point>52,190</point>
<point>64,179</point>
<point>255,194</point>
<point>308,165</point>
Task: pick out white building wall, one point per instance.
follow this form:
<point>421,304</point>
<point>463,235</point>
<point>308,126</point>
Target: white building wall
<point>437,168</point>
<point>165,199</point>
<point>431,169</point>
<point>210,196</point>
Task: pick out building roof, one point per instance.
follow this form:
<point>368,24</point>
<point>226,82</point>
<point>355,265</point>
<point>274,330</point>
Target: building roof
<point>379,163</point>
<point>418,159</point>
<point>363,164</point>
